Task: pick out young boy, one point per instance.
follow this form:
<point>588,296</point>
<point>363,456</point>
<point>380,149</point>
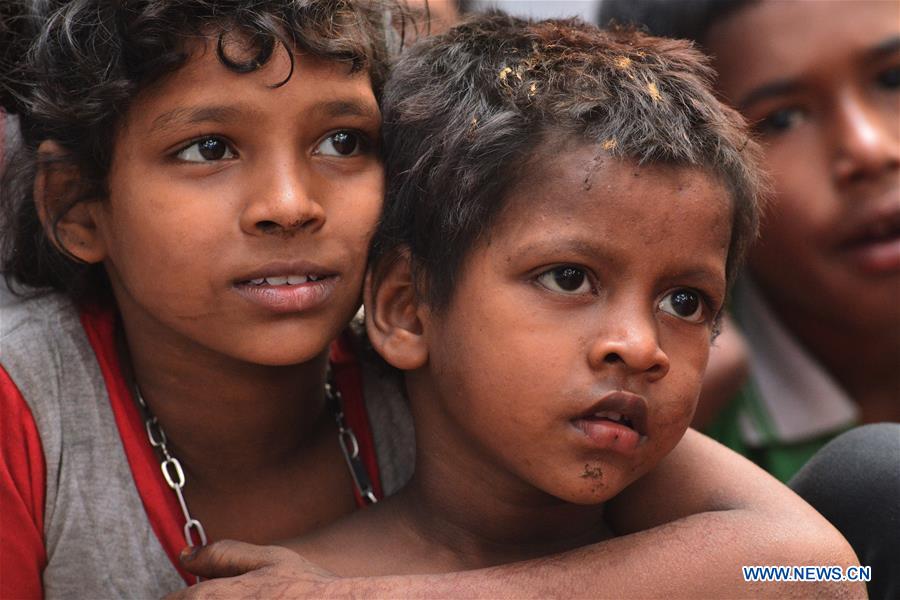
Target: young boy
<point>564,211</point>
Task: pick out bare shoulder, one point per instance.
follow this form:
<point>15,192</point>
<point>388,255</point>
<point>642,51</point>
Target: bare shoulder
<point>369,542</point>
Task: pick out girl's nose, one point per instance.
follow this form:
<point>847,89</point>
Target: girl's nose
<point>630,345</point>
<point>282,201</point>
<point>866,139</point>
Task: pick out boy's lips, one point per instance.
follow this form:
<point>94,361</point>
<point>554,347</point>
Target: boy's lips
<point>872,241</point>
<point>287,287</point>
<point>617,422</point>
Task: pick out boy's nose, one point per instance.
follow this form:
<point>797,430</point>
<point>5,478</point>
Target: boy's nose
<point>282,202</point>
<point>866,138</point>
<point>632,346</point>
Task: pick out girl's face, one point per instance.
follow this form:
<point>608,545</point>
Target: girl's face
<point>239,213</point>
<point>821,82</point>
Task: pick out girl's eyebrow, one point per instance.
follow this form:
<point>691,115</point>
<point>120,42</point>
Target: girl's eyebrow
<point>348,108</point>
<point>179,117</point>
<point>182,116</point>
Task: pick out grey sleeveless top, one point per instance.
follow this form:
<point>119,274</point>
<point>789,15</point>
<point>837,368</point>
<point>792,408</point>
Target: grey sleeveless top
<point>99,541</point>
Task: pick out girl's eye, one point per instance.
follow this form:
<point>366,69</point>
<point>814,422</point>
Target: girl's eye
<point>890,79</point>
<point>781,120</point>
<point>341,143</point>
<point>208,149</point>
<point>565,280</point>
<point>683,303</point>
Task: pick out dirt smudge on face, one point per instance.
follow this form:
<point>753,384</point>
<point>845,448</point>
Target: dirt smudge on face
<point>592,167</point>
<point>592,472</point>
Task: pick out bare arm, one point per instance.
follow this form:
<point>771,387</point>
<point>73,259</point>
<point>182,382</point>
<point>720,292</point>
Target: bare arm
<point>701,515</point>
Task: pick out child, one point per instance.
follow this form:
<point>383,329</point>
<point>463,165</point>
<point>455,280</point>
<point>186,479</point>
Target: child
<point>186,229</point>
<point>564,210</point>
<point>206,211</point>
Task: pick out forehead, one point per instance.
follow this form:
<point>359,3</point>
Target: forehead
<point>204,82</point>
<point>782,40</point>
<point>584,193</point>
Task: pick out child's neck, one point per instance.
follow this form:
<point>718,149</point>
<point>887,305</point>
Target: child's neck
<point>254,441</point>
<point>252,415</point>
<point>471,505</point>
<point>461,511</point>
<point>477,521</point>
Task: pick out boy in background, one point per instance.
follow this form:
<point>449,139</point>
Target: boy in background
<point>820,301</point>
<point>820,83</point>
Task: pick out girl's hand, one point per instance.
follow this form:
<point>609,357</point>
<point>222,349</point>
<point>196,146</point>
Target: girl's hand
<point>239,570</point>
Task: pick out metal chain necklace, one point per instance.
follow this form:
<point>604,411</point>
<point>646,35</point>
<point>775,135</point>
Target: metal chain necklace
<point>173,473</point>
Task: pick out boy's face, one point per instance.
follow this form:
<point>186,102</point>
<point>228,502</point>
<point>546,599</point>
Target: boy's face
<point>821,81</point>
<point>228,197</point>
<point>592,297</point>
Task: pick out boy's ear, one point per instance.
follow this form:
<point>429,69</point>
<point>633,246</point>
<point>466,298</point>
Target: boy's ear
<point>393,320</point>
<point>56,187</point>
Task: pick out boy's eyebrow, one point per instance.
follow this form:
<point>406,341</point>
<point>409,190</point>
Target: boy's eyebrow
<point>781,87</point>
<point>697,272</point>
<point>885,47</point>
<point>784,87</point>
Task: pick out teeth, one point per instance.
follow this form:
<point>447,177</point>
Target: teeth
<point>612,416</point>
<point>286,280</point>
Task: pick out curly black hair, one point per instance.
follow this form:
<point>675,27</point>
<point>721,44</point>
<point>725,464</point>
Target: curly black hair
<point>466,113</point>
<point>70,68</point>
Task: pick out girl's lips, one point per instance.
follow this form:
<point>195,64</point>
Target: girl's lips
<point>289,298</point>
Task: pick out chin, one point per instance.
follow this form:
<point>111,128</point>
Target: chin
<point>280,355</point>
<point>588,491</point>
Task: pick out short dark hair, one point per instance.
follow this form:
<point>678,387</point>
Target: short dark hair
<point>687,19</point>
<point>70,68</point>
<point>465,112</point>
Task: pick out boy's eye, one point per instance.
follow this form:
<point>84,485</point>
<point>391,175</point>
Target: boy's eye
<point>890,79</point>
<point>781,120</point>
<point>208,149</point>
<point>341,143</point>
<point>683,303</point>
<point>565,280</point>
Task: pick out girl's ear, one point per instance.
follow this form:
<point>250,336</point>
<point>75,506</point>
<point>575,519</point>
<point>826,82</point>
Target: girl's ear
<point>56,187</point>
<point>393,314</point>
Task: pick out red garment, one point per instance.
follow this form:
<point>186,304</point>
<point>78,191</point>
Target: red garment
<point>22,476</point>
<point>23,473</point>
